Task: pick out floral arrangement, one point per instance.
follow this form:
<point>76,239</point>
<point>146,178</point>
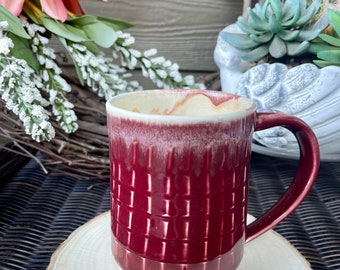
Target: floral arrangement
<point>290,29</point>
<point>32,85</point>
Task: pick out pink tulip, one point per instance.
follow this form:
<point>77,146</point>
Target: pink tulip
<point>14,6</point>
<point>54,8</point>
<point>57,9</point>
<point>73,6</point>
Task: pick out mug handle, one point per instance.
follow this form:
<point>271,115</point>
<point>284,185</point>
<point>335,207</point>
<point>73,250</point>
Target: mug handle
<point>305,176</point>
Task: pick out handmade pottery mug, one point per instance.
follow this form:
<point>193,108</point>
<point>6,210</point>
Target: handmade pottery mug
<point>179,177</point>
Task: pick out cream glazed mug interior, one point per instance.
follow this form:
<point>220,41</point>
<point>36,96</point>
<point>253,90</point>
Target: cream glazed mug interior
<point>179,177</point>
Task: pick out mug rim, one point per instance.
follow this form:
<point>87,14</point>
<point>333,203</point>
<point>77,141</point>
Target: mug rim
<point>116,111</point>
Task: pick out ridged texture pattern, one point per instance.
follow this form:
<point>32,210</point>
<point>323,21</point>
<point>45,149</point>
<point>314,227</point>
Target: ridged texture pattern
<point>173,200</point>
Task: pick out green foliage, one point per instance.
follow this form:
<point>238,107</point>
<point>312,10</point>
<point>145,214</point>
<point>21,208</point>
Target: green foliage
<point>277,28</point>
<point>22,50</point>
<point>64,30</point>
<point>328,49</point>
<point>100,33</point>
<point>14,24</point>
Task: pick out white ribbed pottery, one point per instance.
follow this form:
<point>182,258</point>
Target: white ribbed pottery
<point>306,91</point>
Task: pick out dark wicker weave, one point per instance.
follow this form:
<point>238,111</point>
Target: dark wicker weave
<point>38,211</point>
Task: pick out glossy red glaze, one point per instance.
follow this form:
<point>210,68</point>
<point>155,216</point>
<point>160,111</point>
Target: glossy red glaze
<point>178,192</point>
<point>179,189</point>
<point>305,176</point>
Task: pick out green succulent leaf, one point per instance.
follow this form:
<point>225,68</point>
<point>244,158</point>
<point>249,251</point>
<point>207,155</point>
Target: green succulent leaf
<point>322,63</point>
<point>244,26</point>
<point>255,54</point>
<point>289,35</point>
<point>332,56</point>
<point>334,20</point>
<point>240,41</point>
<point>309,13</point>
<point>311,31</point>
<point>258,10</point>
<point>262,10</point>
<point>281,27</point>
<point>330,40</point>
<point>274,24</point>
<point>291,13</point>
<point>264,38</point>
<point>276,6</point>
<point>272,8</point>
<point>287,12</point>
<point>256,21</point>
<point>317,47</point>
<point>14,24</point>
<point>296,48</point>
<point>277,47</point>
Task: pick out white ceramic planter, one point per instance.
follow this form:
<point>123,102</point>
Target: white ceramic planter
<point>306,91</point>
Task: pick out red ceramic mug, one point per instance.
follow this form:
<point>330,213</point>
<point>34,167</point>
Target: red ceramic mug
<point>179,177</point>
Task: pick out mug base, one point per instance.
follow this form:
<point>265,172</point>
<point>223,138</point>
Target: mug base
<point>129,260</point>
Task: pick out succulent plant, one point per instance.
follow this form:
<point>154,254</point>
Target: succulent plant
<point>328,50</point>
<point>277,28</point>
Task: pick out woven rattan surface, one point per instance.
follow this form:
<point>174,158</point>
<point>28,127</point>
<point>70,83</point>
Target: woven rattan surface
<point>39,211</point>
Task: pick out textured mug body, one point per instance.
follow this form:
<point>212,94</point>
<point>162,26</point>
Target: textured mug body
<point>179,190</point>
